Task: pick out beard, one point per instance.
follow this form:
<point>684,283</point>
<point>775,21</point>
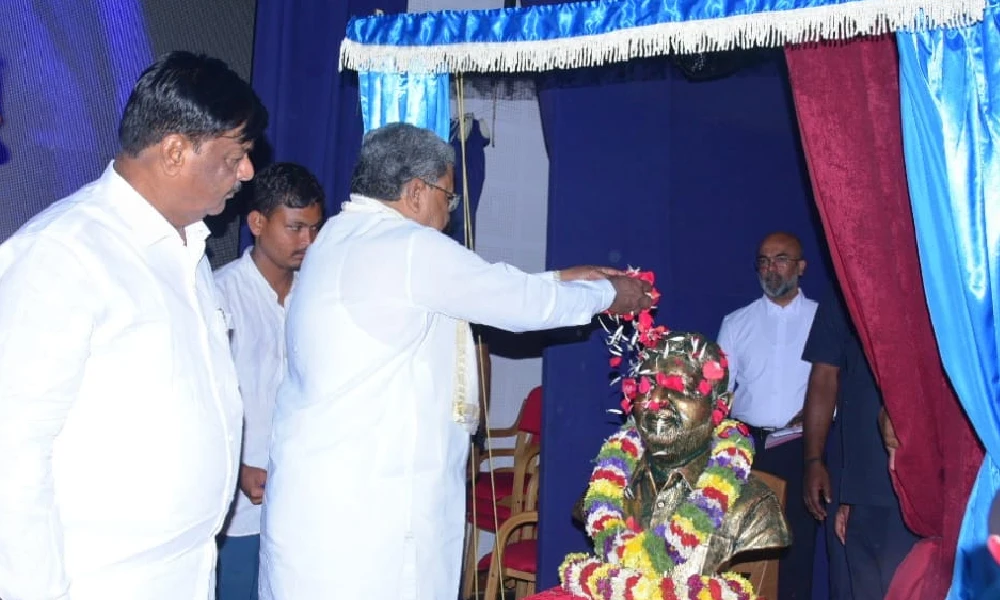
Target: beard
<point>775,286</point>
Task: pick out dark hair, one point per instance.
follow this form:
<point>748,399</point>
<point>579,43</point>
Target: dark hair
<point>190,94</point>
<point>285,184</point>
<point>396,153</point>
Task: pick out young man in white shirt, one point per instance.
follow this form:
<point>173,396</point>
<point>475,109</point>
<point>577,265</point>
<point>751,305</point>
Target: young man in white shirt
<point>764,342</point>
<point>120,413</point>
<point>286,211</point>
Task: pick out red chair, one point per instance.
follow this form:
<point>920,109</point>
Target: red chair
<point>515,552</point>
<point>498,495</point>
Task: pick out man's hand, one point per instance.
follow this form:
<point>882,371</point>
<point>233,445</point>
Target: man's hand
<point>840,522</point>
<point>252,482</point>
<point>797,419</point>
<point>588,273</point>
<point>631,294</point>
<point>888,437</point>
<point>816,489</point>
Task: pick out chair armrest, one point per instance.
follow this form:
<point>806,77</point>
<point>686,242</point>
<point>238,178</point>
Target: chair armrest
<point>510,525</point>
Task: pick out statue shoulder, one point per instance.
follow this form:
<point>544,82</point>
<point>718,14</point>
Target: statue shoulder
<point>762,520</point>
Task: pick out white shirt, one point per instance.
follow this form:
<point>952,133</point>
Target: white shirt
<point>366,488</point>
<point>119,408</point>
<point>764,344</point>
<point>258,346</point>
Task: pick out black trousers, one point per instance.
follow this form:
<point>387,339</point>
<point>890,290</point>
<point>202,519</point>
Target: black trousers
<point>796,567</point>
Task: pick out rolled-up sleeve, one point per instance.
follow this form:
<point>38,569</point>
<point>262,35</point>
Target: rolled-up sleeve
<point>46,320</point>
<point>445,277</point>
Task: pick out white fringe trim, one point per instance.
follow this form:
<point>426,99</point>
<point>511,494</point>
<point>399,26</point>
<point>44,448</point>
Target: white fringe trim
<point>776,28</point>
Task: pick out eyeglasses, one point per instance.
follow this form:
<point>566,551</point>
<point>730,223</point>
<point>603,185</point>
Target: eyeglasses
<point>781,261</point>
<point>453,198</point>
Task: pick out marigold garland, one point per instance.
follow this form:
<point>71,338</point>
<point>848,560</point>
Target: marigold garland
<point>632,563</point>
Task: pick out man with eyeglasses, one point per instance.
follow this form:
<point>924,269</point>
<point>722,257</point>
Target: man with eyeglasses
<point>764,342</point>
<point>365,496</point>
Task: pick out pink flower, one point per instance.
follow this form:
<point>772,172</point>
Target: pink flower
<point>723,360</point>
<point>627,406</point>
<point>712,371</point>
<point>647,276</point>
<point>615,361</point>
<point>644,385</point>
<point>628,388</point>
<point>717,417</point>
<point>704,387</point>
<point>672,382</point>
<point>645,321</point>
<point>742,428</point>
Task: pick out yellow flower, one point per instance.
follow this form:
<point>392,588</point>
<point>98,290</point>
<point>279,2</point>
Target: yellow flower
<point>635,556</point>
<point>688,527</point>
<point>607,488</point>
<point>718,483</point>
<point>647,588</point>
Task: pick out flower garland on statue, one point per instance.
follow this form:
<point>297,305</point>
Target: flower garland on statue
<point>632,564</point>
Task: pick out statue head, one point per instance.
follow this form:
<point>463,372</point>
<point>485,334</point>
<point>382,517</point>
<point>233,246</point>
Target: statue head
<point>681,395</point>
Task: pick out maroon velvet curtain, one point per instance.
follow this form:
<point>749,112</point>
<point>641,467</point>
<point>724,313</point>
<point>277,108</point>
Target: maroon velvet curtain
<point>847,100</point>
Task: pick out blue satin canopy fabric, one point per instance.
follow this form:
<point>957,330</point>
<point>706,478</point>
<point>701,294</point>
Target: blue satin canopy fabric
<point>950,94</point>
<point>421,99</point>
<point>555,21</point>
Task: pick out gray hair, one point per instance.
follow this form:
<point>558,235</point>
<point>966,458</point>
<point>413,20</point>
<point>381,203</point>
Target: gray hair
<point>396,153</point>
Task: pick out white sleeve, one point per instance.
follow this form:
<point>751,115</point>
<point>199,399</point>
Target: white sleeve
<point>725,342</point>
<point>445,277</point>
<point>45,331</point>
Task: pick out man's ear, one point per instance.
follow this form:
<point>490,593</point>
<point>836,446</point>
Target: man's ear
<point>173,149</point>
<point>256,221</point>
<point>802,267</point>
<point>410,197</point>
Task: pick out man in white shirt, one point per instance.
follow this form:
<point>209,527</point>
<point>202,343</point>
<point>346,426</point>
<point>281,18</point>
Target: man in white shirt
<point>119,406</point>
<point>286,211</point>
<point>764,342</point>
<point>366,482</point>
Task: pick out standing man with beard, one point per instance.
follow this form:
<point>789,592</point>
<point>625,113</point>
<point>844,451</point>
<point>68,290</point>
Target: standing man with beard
<point>764,341</point>
<point>286,211</point>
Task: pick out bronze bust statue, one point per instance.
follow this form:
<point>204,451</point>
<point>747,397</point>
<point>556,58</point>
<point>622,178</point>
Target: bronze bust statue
<point>675,412</point>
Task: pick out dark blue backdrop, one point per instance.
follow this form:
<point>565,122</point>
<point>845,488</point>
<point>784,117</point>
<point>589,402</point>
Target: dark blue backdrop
<point>315,115</point>
<point>651,170</point>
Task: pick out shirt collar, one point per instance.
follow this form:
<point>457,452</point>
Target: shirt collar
<point>790,308</point>
<point>359,203</point>
<point>146,223</point>
<point>252,271</point>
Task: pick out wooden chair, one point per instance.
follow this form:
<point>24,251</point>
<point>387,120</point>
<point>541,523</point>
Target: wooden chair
<point>763,572</point>
<point>511,484</point>
<point>515,552</point>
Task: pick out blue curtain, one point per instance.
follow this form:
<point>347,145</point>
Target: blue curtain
<point>421,99</point>
<point>315,114</point>
<point>475,166</point>
<point>950,94</point>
